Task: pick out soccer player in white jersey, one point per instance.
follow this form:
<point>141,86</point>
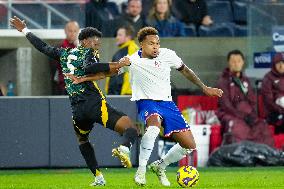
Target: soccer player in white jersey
<point>150,71</point>
<point>150,80</point>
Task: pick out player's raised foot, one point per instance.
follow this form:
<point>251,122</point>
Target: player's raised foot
<point>140,178</point>
<point>160,172</point>
<point>99,181</point>
<point>123,153</point>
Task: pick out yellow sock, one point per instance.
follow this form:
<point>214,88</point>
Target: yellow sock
<point>98,172</point>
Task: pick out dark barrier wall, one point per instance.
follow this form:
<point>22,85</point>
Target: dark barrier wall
<point>38,132</point>
<point>24,132</point>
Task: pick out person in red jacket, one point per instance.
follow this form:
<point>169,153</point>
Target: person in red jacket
<point>236,108</point>
<point>272,91</point>
<point>71,41</point>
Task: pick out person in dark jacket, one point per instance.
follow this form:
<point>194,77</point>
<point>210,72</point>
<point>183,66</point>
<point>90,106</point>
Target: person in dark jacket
<point>272,91</point>
<point>100,14</point>
<point>160,17</point>
<point>192,12</point>
<point>132,16</point>
<point>236,108</point>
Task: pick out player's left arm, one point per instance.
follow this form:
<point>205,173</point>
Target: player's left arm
<point>190,75</point>
<point>92,77</point>
<point>40,45</point>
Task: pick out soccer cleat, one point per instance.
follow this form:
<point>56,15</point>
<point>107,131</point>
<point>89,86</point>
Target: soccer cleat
<point>123,153</point>
<point>140,178</point>
<point>99,181</point>
<point>160,172</point>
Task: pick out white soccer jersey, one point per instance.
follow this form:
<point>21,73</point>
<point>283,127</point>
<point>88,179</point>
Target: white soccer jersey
<point>150,78</point>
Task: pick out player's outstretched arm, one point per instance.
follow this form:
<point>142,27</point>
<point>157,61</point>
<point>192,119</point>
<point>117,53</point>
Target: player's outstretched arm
<point>111,68</point>
<point>91,77</point>
<point>209,91</point>
<point>94,77</point>
<point>50,51</point>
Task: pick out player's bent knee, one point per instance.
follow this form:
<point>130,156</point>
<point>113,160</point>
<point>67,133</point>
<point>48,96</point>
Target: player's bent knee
<point>125,122</point>
<point>154,120</point>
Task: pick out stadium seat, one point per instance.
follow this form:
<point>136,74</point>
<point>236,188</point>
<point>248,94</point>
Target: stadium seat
<point>206,103</point>
<point>279,141</point>
<point>220,11</point>
<point>215,137</point>
<point>240,31</point>
<point>190,30</point>
<point>240,12</point>
<point>217,30</point>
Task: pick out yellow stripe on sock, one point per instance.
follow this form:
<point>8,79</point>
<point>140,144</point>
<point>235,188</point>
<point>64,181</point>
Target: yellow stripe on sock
<point>98,173</point>
<point>82,131</point>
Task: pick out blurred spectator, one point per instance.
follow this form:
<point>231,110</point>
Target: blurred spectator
<point>3,90</point>
<point>161,18</point>
<point>192,12</point>
<point>120,84</point>
<point>146,7</point>
<point>276,1</point>
<point>71,31</point>
<point>272,91</point>
<point>236,108</point>
<point>100,14</point>
<point>3,13</point>
<point>119,3</point>
<point>132,16</point>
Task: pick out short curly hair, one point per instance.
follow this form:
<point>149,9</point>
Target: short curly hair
<point>146,31</point>
<point>89,32</point>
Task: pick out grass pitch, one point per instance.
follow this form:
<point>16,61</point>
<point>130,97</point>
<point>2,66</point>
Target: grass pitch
<point>218,178</point>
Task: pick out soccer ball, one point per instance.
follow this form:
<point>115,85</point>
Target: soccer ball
<point>187,176</point>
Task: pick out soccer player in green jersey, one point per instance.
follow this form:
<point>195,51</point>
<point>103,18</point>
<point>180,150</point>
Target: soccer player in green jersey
<point>88,103</point>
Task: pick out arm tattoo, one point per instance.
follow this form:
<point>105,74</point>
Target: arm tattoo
<point>190,75</point>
